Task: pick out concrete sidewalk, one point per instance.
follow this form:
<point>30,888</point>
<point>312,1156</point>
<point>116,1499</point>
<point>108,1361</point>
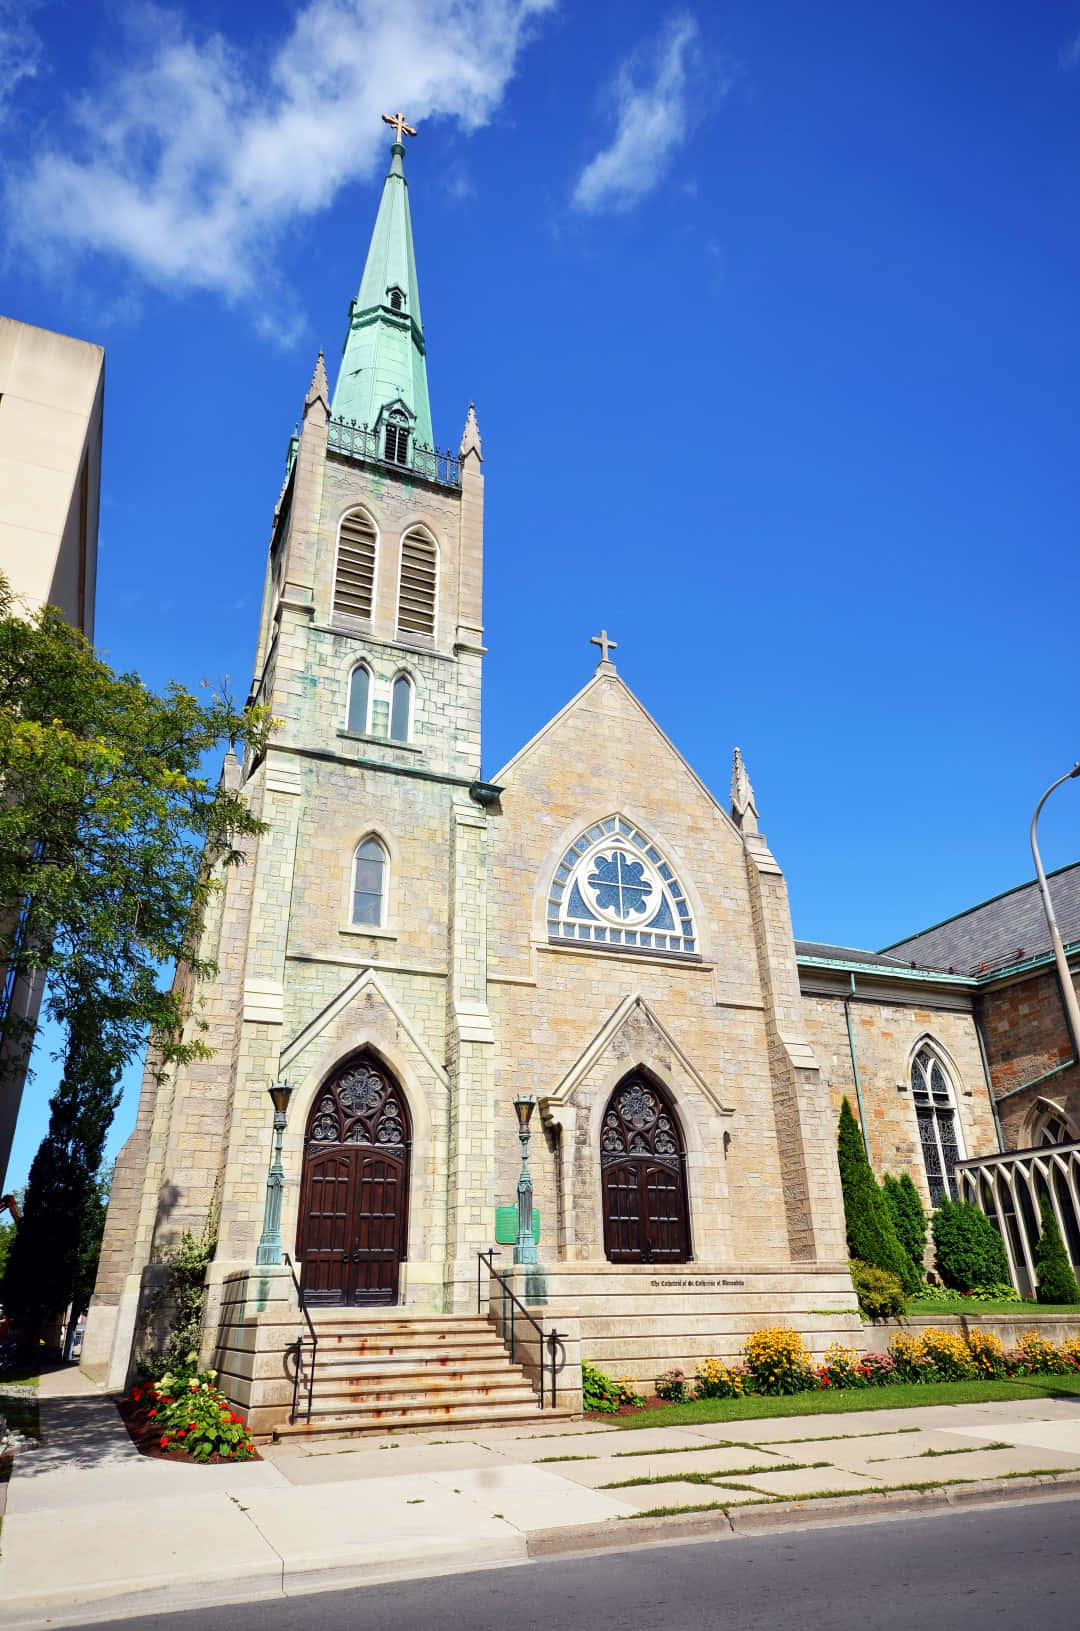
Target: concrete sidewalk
<point>93,1530</point>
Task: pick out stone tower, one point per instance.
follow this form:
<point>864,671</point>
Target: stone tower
<point>356,930</point>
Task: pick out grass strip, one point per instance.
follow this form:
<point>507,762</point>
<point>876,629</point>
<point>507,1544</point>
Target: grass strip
<point>1018,1306</point>
<point>673,1511</point>
<point>677,1477</point>
<point>546,1460</point>
<point>898,1396</point>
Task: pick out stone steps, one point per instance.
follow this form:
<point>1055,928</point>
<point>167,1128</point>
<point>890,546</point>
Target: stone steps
<point>374,1375</point>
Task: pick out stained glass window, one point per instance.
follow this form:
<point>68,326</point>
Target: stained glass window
<point>359,693</point>
<point>614,888</point>
<point>935,1113</point>
<point>369,883</point>
<point>401,709</point>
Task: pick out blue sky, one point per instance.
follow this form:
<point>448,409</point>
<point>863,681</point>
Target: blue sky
<point>770,315</point>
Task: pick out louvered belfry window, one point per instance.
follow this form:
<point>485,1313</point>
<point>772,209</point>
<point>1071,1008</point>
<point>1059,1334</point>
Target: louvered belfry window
<point>416,594</point>
<point>396,443</point>
<point>354,583</point>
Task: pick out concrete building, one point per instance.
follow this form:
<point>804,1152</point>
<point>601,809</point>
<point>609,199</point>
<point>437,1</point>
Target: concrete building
<point>51,402</point>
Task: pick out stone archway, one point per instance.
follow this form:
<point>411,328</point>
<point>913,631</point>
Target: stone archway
<point>643,1175</point>
<point>354,1194</point>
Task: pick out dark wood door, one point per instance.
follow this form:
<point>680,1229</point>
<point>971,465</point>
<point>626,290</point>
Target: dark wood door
<point>643,1178</point>
<point>354,1193</point>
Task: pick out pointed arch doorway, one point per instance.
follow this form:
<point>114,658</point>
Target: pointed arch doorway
<point>643,1176</point>
<point>355,1189</point>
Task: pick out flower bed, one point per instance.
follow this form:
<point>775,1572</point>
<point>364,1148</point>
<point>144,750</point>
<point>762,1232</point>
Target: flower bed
<point>184,1417</point>
<point>776,1361</point>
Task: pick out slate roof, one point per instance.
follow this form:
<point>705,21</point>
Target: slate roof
<point>847,954</point>
<point>1010,928</point>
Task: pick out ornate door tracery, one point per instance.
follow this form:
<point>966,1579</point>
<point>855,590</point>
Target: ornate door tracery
<point>354,1192</point>
<point>643,1177</point>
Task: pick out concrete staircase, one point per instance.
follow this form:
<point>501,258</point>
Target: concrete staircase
<point>378,1373</point>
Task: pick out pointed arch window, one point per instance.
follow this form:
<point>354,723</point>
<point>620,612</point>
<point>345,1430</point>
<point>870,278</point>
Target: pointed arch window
<point>396,299</point>
<point>396,439</point>
<point>354,577</point>
<point>1050,1126</point>
<point>370,868</point>
<point>614,888</point>
<point>359,715</point>
<point>935,1112</point>
<point>401,706</point>
<point>418,584</point>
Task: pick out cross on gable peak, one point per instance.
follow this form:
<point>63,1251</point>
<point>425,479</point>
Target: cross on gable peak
<point>401,128</point>
<point>605,645</point>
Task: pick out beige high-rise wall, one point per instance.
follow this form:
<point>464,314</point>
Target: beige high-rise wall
<point>51,401</point>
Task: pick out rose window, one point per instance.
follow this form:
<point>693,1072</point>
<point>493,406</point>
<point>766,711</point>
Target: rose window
<point>613,887</point>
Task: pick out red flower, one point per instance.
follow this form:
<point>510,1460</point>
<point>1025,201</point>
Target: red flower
<point>153,1413</point>
<point>179,1432</point>
<point>164,1441</point>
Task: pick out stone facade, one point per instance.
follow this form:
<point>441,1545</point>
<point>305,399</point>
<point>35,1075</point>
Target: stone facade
<point>471,989</point>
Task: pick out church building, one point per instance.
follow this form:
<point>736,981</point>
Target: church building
<point>412,948</point>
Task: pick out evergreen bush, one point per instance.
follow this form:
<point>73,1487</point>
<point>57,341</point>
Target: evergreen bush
<point>909,1219</point>
<point>1053,1272</point>
<point>880,1294</point>
<point>871,1234</point>
<point>968,1248</point>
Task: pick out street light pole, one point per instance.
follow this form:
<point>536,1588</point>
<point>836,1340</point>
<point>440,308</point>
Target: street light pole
<point>525,1250</point>
<point>1068,990</point>
<point>268,1251</point>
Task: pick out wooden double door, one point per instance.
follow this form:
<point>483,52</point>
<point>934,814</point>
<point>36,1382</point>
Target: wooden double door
<point>643,1177</point>
<point>355,1190</point>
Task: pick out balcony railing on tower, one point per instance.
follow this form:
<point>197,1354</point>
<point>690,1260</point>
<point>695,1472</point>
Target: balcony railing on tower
<point>370,446</point>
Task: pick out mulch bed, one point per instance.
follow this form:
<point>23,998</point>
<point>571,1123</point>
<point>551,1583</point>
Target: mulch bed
<point>146,1437</point>
<point>651,1403</point>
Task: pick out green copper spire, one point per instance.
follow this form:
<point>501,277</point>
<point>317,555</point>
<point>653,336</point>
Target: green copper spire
<point>382,381</point>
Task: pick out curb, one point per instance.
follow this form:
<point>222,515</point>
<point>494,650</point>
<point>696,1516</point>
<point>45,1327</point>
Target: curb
<point>623,1534</point>
<point>615,1535</point>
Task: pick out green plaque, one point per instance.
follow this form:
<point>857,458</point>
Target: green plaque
<point>506,1225</point>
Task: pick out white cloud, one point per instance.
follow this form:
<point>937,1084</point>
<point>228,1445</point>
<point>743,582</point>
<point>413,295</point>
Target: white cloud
<point>20,46</point>
<point>657,96</point>
<point>189,159</point>
<point>1069,55</point>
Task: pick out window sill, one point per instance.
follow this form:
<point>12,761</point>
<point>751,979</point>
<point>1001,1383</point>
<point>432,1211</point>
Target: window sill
<point>367,930</point>
<point>380,741</point>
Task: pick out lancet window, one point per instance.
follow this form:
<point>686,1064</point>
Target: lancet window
<point>354,578</point>
<point>935,1112</point>
<point>369,884</point>
<point>418,584</point>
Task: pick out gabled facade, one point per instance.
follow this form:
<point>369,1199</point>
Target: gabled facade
<point>413,947</point>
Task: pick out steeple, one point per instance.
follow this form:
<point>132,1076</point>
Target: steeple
<point>382,381</point>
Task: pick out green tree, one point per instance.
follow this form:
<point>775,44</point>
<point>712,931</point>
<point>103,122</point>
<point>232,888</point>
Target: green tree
<point>111,846</point>
<point>1054,1275</point>
<point>909,1219</point>
<point>871,1233</point>
<point>967,1248</point>
<point>110,837</point>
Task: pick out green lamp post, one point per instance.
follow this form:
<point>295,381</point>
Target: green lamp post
<point>525,1250</point>
<point>268,1251</point>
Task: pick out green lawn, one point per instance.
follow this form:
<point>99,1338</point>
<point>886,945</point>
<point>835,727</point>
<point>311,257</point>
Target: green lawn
<point>901,1396</point>
<point>971,1305</point>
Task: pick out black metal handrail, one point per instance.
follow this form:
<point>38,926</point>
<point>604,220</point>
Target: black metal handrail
<point>297,1350</point>
<point>556,1353</point>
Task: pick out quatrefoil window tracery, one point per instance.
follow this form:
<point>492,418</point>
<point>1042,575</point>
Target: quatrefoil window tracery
<point>362,1106</point>
<point>613,887</point>
<point>637,1122</point>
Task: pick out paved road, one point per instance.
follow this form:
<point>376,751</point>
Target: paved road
<point>1008,1567</point>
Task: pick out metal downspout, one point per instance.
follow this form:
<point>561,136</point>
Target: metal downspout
<point>855,1065</point>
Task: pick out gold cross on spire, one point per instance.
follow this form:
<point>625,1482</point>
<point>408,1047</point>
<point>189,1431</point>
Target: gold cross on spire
<point>399,124</point>
<point>605,644</point>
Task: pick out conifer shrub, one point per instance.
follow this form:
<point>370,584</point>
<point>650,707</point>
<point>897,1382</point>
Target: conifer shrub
<point>880,1294</point>
<point>871,1233</point>
<point>909,1219</point>
<point>1054,1275</point>
<point>968,1248</point>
